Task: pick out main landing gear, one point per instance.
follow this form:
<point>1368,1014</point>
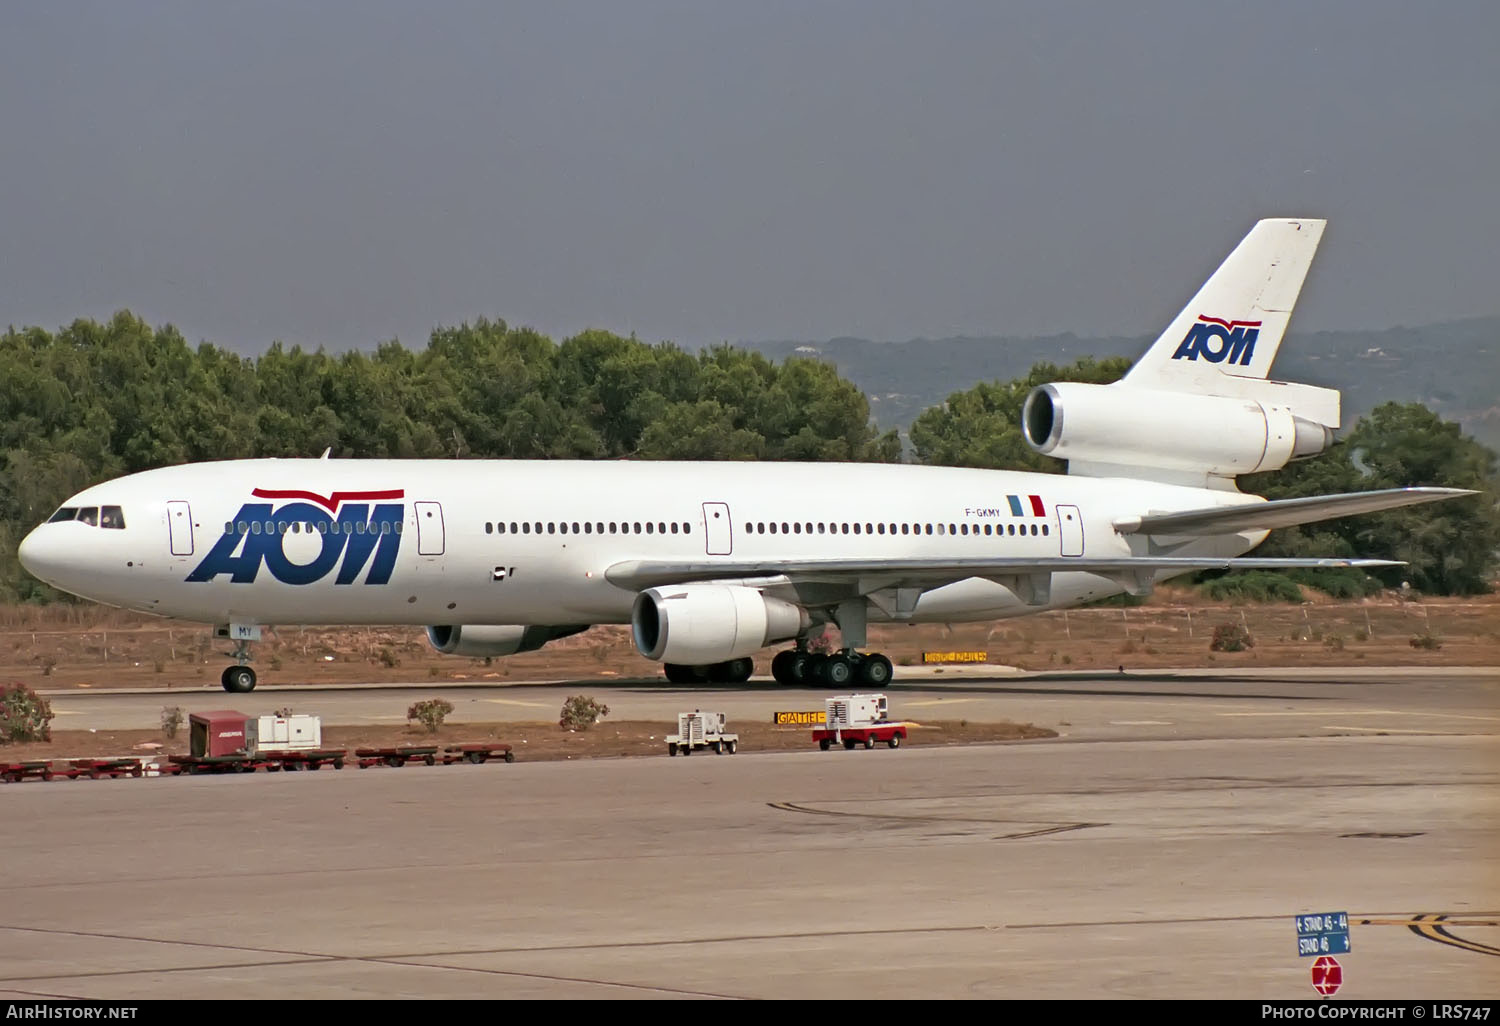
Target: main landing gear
<point>868,669</point>
<point>735,671</point>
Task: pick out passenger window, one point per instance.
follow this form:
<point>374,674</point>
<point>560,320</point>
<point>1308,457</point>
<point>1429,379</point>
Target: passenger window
<point>674,527</point>
<point>687,528</point>
<point>588,528</point>
<point>575,527</point>
<point>255,527</point>
<point>562,528</point>
<point>525,528</point>
<point>551,527</point>
<point>512,527</point>
<point>648,527</point>
<point>229,527</point>
<point>323,527</point>
<point>489,528</point>
<point>242,527</point>
<point>796,528</point>
<point>65,513</point>
<point>1044,529</point>
<point>399,523</point>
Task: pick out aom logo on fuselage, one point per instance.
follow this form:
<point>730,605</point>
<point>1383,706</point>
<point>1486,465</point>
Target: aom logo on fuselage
<point>328,531</point>
<point>1217,340</point>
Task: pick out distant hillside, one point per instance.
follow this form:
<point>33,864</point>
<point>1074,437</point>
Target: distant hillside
<point>1454,368</point>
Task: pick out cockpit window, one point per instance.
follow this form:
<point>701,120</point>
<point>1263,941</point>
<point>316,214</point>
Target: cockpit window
<point>112,517</point>
<point>89,515</point>
<point>66,513</point>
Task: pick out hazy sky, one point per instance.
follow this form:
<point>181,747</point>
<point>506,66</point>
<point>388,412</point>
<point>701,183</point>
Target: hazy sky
<point>341,173</point>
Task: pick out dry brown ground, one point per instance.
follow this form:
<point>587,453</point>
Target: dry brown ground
<point>64,647</point>
<point>532,742</point>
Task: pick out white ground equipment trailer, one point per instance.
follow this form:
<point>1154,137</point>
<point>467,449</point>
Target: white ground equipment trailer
<point>699,729</point>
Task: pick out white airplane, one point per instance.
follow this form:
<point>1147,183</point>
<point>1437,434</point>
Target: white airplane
<point>711,562</point>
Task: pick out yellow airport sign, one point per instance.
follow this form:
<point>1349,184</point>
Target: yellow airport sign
<point>799,719</point>
<point>955,657</point>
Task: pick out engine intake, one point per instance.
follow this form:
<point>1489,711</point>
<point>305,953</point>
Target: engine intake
<point>1115,425</point>
<point>710,623</point>
<point>495,639</point>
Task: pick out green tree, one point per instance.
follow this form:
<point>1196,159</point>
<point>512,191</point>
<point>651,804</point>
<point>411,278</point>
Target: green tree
<point>981,427</point>
<point>1451,547</point>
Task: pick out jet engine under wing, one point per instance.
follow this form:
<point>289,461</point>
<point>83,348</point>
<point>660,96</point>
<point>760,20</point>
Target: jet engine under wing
<point>873,574</point>
<point>1263,516</point>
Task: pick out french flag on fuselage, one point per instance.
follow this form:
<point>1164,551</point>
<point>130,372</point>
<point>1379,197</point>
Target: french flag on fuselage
<point>1035,501</point>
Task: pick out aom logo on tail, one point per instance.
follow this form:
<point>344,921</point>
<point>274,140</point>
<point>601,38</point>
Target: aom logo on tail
<point>302,541</point>
<point>1216,340</point>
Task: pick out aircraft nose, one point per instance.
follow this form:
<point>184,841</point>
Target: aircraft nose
<point>43,554</point>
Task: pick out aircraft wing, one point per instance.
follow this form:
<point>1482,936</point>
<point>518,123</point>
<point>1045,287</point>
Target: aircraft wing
<point>1263,516</point>
<point>867,575</point>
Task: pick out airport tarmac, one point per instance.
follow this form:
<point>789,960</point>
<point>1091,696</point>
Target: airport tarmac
<point>1159,849</point>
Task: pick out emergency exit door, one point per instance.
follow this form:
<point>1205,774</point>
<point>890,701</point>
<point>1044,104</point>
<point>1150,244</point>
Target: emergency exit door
<point>1070,530</point>
<point>430,538</point>
<point>717,529</point>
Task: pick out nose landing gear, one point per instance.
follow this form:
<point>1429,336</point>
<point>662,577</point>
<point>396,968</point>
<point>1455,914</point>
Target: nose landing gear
<point>238,679</point>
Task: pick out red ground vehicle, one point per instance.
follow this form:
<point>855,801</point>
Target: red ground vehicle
<point>859,720</point>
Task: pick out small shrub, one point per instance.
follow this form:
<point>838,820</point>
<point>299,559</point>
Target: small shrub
<point>580,712</point>
<point>1426,641</point>
<point>24,715</point>
<point>1335,642</point>
<point>1231,637</point>
<point>1067,660</point>
<point>274,662</point>
<point>171,720</point>
<point>1253,586</point>
<point>1128,648</point>
<point>432,671</point>
<point>388,659</point>
<point>430,713</point>
<point>161,667</point>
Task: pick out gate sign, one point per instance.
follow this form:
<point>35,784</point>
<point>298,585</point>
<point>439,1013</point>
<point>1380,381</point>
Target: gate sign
<point>1327,975</point>
<point>1323,934</point>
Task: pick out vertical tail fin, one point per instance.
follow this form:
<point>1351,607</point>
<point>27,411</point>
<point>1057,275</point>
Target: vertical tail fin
<point>1235,323</point>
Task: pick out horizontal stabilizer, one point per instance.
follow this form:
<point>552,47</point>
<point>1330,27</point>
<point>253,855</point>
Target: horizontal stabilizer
<point>636,575</point>
<point>1263,516</point>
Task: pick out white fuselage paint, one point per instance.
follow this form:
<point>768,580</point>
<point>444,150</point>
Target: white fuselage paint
<point>450,569</point>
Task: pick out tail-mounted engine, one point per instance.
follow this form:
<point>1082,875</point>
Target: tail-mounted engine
<point>1104,429</point>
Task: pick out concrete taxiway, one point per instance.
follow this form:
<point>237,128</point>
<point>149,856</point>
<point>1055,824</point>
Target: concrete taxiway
<point>1159,849</point>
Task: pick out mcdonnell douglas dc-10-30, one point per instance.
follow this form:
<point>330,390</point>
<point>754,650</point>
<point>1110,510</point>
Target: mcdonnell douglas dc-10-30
<point>711,562</point>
